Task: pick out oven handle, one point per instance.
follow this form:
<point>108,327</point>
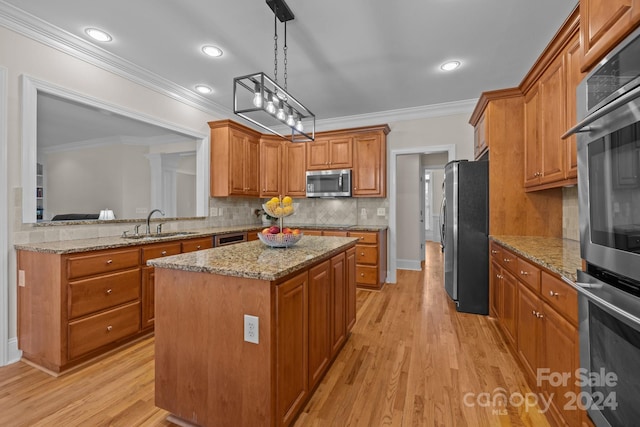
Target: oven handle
<point>618,102</point>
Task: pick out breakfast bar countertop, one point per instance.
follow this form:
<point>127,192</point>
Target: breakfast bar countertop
<point>561,256</point>
<point>255,260</point>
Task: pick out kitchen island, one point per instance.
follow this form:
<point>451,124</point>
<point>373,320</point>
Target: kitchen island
<point>217,367</point>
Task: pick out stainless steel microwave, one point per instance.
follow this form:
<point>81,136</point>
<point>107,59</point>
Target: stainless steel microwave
<point>329,183</point>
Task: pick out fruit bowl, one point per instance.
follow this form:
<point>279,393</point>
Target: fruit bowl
<point>277,210</point>
<point>279,240</point>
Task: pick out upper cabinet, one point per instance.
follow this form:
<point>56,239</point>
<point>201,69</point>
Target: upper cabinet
<point>330,153</point>
<point>294,181</point>
<point>235,154</point>
<point>550,109</point>
<point>271,163</point>
<point>370,163</point>
<point>604,24</point>
<point>480,140</point>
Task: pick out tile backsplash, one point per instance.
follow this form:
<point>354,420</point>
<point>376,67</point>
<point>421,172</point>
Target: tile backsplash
<point>570,222</point>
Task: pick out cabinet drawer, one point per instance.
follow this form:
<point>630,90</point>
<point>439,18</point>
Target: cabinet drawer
<point>94,332</point>
<point>509,261</point>
<point>496,252</point>
<point>102,292</point>
<point>157,251</point>
<point>334,233</point>
<point>367,275</point>
<point>197,244</point>
<point>528,274</point>
<point>366,254</point>
<point>312,232</point>
<point>105,262</point>
<point>560,296</point>
<point>363,237</point>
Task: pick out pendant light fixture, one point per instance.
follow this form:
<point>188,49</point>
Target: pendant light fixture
<point>262,101</point>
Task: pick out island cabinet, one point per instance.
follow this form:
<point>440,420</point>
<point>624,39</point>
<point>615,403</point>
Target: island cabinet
<point>330,153</point>
<point>538,315</point>
<point>604,24</point>
<point>549,110</point>
<point>235,164</point>
<point>303,322</point>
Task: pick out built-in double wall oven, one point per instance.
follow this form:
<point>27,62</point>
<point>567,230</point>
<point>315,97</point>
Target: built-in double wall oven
<point>609,201</point>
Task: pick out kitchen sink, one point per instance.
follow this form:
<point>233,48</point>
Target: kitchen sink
<point>158,235</point>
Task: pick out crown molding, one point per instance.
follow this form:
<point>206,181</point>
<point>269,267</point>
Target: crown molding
<point>41,31</point>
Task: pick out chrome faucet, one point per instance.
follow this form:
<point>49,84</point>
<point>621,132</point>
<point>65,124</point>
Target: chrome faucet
<point>149,219</point>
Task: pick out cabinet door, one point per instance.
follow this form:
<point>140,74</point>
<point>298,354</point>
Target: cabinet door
<point>318,154</point>
<point>295,184</point>
<point>148,297</point>
<point>573,59</point>
<point>496,290</point>
<point>252,167</point>
<point>369,173</point>
<point>603,23</point>
<point>340,153</point>
<point>559,356</point>
<point>236,162</point>
<point>509,307</point>
<point>528,330</point>
<point>292,383</point>
<point>552,111</point>
<point>531,141</point>
<point>338,303</point>
<point>351,288</point>
<point>270,168</point>
<point>319,321</point>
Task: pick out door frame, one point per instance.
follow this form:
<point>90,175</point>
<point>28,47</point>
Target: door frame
<point>4,221</point>
<point>393,228</point>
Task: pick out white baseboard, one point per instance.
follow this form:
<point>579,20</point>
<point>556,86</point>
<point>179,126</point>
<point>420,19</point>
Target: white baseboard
<point>13,354</point>
<point>409,264</point>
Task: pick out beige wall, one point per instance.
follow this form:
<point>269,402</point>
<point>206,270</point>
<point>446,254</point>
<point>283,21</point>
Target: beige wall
<point>407,212</point>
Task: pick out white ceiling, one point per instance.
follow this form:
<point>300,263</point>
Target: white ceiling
<point>346,57</point>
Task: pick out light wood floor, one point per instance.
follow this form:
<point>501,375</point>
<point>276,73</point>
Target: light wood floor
<point>410,361</point>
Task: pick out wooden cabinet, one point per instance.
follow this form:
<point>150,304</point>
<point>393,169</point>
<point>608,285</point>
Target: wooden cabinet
<point>235,154</point>
<point>350,259</point>
<point>604,24</point>
<point>271,167</point>
<point>370,164</point>
<point>294,179</point>
<point>197,244</point>
<point>330,153</point>
<point>550,110</point>
<point>338,303</point>
<point>252,235</point>
<point>371,258</point>
<point>319,321</point>
<point>545,310</point>
<point>292,385</point>
<point>480,139</point>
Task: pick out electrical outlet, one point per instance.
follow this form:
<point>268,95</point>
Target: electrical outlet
<point>251,329</point>
<point>382,212</point>
<point>213,212</point>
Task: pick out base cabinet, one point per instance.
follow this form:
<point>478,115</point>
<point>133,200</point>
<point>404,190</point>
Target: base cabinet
<point>319,321</point>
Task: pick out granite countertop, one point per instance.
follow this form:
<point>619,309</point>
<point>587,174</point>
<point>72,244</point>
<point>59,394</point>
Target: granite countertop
<point>255,260</point>
<point>112,242</point>
<point>562,256</point>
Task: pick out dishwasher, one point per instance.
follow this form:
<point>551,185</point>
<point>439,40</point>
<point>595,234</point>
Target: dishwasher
<point>229,239</point>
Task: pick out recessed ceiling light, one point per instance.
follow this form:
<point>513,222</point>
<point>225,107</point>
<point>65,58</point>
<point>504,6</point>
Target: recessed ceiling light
<point>450,66</point>
<point>212,51</point>
<point>205,90</point>
<point>98,35</point>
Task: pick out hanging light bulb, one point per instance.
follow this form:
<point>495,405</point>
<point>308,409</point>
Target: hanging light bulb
<point>282,116</point>
<point>291,121</point>
<point>257,96</point>
<point>299,126</point>
<point>271,109</point>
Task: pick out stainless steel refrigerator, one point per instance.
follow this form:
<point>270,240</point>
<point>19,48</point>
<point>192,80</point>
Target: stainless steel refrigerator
<point>465,235</point>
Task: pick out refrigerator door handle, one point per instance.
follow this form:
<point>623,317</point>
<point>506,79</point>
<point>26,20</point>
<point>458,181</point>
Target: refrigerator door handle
<point>442,222</point>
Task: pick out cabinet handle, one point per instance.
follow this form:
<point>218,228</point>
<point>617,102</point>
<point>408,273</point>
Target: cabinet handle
<point>109,292</point>
<point>109,261</point>
<point>493,252</point>
<point>539,315</point>
<point>361,238</point>
<point>163,253</point>
<point>198,247</point>
<point>361,274</point>
<point>524,273</point>
<point>109,328</point>
<point>361,253</point>
<point>506,260</point>
<point>553,294</point>
<point>534,313</point>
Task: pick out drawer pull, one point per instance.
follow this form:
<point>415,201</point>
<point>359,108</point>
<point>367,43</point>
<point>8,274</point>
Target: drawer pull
<point>361,274</point>
<point>361,253</point>
<point>524,273</point>
<point>539,315</point>
<point>553,294</point>
<point>109,328</point>
<point>533,312</point>
<point>361,238</point>
<point>198,247</point>
<point>163,253</point>
<point>507,260</point>
<point>109,291</point>
<point>493,252</point>
<point>109,261</point>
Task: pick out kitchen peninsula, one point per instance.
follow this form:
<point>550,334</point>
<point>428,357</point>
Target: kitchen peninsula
<point>215,366</point>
